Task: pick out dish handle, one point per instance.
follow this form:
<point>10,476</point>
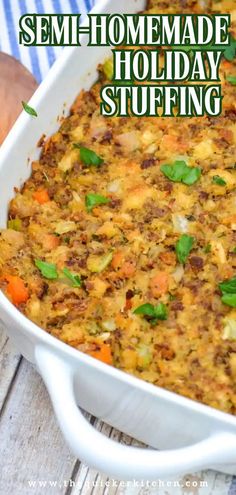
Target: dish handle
<point>114,459</point>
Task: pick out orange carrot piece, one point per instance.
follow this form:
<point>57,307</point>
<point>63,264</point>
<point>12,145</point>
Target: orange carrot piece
<point>50,241</point>
<point>228,220</point>
<point>159,284</point>
<point>41,196</point>
<point>226,64</point>
<point>103,354</point>
<point>127,270</point>
<point>117,260</point>
<point>16,289</point>
<point>128,304</point>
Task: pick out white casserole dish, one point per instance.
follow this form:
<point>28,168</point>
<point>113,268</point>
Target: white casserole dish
<point>195,435</point>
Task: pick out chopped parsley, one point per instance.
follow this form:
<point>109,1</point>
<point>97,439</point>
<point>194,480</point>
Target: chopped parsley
<point>219,181</point>
<point>48,270</point>
<point>228,290</point>
<point>92,200</point>
<point>229,299</point>
<point>179,171</point>
<point>28,109</point>
<point>153,313</point>
<point>228,286</point>
<point>75,279</point>
<point>89,157</point>
<point>183,247</point>
<point>207,248</point>
<point>231,80</point>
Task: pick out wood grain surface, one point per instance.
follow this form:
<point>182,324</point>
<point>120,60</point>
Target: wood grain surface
<point>16,84</point>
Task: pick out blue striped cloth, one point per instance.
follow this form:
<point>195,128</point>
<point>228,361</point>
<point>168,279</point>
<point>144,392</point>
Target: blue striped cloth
<point>37,59</point>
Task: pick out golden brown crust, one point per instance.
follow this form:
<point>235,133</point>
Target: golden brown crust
<point>124,250</point>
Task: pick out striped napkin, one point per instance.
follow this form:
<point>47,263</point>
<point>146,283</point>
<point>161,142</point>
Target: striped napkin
<point>37,59</point>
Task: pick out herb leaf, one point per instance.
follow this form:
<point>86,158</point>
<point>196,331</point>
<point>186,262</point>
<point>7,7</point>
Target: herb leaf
<point>180,172</point>
<point>75,279</point>
<point>183,247</point>
<point>92,200</point>
<point>89,157</point>
<point>207,248</point>
<point>146,310</point>
<point>229,299</point>
<point>158,312</point>
<point>161,311</point>
<point>231,80</point>
<point>176,171</point>
<point>191,176</point>
<point>230,51</point>
<point>219,181</point>
<point>228,286</point>
<point>48,270</point>
<point>28,109</point>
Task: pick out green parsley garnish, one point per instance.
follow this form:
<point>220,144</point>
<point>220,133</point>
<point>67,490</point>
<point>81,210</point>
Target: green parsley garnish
<point>207,248</point>
<point>92,200</point>
<point>219,181</point>
<point>228,289</point>
<point>28,109</point>
<point>230,51</point>
<point>229,299</point>
<point>228,286</point>
<point>48,270</point>
<point>89,157</point>
<point>231,80</point>
<point>180,172</point>
<point>154,313</point>
<point>183,247</point>
<point>75,279</point>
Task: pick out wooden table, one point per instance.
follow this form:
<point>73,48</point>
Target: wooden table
<point>34,458</point>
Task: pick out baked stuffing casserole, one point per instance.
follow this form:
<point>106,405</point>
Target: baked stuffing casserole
<point>122,243</point>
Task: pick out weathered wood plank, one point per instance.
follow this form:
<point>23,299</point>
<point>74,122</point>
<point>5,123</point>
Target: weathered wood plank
<point>9,362</point>
<point>32,448</point>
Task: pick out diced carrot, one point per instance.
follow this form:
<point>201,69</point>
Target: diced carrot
<point>159,284</point>
<point>127,270</point>
<point>16,289</point>
<point>103,354</point>
<point>117,260</point>
<point>226,64</point>
<point>228,220</point>
<point>128,304</point>
<point>50,241</point>
<point>41,196</point>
